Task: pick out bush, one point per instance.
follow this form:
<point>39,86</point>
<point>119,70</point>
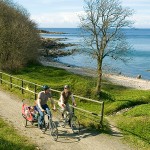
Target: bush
<point>19,38</point>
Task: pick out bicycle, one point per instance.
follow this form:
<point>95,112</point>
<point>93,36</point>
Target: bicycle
<point>69,119</point>
<point>50,124</point>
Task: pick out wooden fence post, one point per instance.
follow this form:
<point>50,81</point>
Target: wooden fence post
<point>35,89</point>
<point>22,87</point>
<point>102,115</point>
<point>1,77</point>
<point>10,81</point>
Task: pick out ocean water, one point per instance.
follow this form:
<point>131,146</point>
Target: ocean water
<point>138,38</point>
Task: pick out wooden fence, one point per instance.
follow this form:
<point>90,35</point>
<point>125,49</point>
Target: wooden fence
<point>13,81</point>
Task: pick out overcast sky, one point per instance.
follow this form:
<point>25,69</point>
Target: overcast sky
<point>64,13</point>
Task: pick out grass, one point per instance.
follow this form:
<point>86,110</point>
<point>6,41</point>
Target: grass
<point>122,97</point>
<point>136,125</point>
<point>11,140</point>
<point>142,110</point>
<point>115,97</point>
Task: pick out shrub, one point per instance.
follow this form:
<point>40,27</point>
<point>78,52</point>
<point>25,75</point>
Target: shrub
<point>19,38</point>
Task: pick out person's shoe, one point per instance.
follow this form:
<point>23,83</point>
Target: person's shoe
<point>40,127</point>
<point>62,116</point>
<point>69,123</point>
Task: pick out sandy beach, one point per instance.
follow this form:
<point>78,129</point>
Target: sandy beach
<point>116,79</point>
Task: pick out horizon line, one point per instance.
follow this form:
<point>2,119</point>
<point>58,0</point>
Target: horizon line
<point>79,27</point>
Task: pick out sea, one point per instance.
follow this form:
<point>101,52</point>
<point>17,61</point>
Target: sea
<point>139,58</point>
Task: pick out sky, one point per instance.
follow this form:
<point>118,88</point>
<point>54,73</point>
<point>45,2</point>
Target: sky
<point>64,13</point>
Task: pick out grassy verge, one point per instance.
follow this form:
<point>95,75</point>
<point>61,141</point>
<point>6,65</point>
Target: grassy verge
<point>11,140</point>
<point>136,125</point>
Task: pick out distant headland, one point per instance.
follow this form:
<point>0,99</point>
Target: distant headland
<point>48,32</point>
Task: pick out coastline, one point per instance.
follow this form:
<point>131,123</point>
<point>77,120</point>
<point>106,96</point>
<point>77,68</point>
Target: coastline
<point>129,82</point>
<point>138,64</point>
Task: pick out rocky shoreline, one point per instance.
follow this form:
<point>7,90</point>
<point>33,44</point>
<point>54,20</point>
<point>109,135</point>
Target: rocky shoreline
<point>53,48</point>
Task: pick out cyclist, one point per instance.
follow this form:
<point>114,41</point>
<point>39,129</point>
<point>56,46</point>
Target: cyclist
<point>64,98</point>
<point>42,106</point>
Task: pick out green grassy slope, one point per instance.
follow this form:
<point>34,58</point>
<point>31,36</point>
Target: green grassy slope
<point>11,140</point>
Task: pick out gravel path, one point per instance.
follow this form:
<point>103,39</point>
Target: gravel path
<point>10,110</point>
<point>116,79</point>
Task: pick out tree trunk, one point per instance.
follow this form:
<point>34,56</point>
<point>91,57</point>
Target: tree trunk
<point>46,51</point>
<point>99,79</point>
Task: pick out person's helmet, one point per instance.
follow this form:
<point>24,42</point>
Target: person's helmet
<point>45,87</point>
<point>66,87</point>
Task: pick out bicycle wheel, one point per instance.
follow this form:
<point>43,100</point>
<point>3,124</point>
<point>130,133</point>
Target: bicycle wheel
<point>26,122</point>
<point>59,115</point>
<point>46,123</point>
<point>53,130</point>
<point>66,116</point>
<point>75,126</point>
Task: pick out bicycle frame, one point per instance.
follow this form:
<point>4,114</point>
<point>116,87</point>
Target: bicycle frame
<point>50,124</point>
<point>70,119</point>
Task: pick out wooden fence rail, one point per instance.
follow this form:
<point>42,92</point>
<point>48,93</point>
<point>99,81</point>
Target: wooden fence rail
<point>9,81</point>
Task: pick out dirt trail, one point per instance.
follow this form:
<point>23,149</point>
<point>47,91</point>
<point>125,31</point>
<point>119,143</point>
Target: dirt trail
<point>10,110</point>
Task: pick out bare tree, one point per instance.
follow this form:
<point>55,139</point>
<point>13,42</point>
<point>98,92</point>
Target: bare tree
<point>103,20</point>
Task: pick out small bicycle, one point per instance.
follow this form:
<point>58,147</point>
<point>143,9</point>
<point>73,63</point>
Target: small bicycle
<point>69,119</point>
<point>50,125</point>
